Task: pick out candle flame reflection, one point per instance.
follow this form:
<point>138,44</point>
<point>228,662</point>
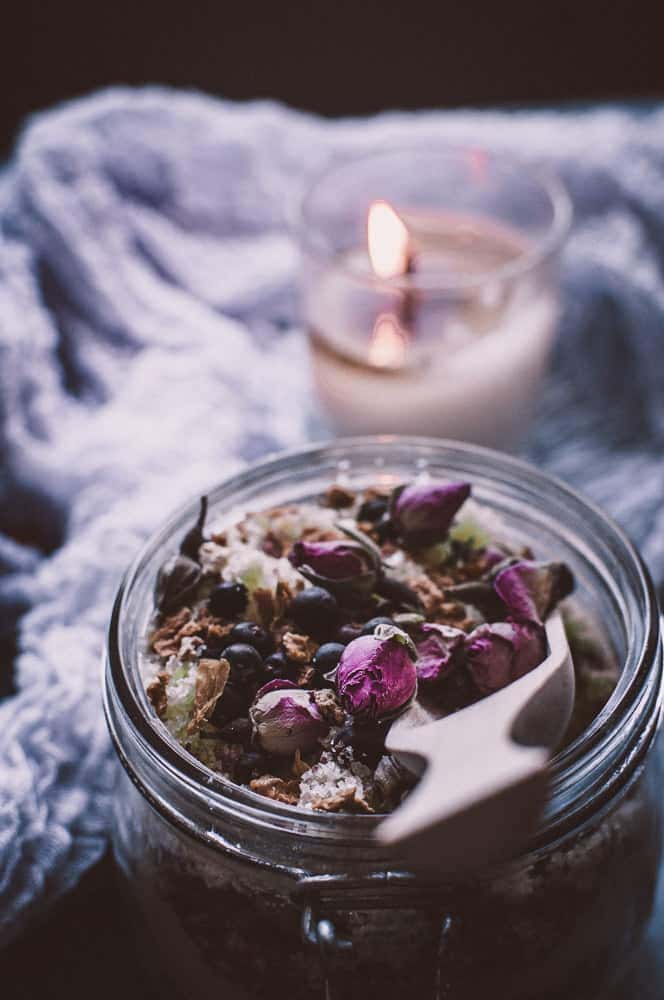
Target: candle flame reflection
<point>388,241</point>
<point>388,346</point>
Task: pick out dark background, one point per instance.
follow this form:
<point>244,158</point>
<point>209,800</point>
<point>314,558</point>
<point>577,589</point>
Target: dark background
<point>337,59</point>
<point>341,57</point>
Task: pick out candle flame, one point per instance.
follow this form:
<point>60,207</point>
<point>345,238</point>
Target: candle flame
<point>388,347</point>
<point>388,241</point>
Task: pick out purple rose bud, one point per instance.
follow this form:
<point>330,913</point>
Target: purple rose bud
<point>531,590</point>
<point>286,720</point>
<point>500,653</point>
<point>278,684</point>
<point>339,566</point>
<point>423,514</point>
<point>439,652</point>
<point>376,674</point>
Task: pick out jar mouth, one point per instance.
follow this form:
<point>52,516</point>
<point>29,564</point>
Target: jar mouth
<point>576,789</point>
<point>547,243</point>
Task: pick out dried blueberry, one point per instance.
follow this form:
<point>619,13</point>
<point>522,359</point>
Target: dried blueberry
<point>368,627</point>
<point>372,510</point>
<point>246,663</point>
<point>315,611</point>
<point>347,633</point>
<point>234,702</point>
<point>252,634</point>
<point>276,666</point>
<point>228,600</point>
<point>237,731</point>
<point>327,656</point>
<point>367,741</point>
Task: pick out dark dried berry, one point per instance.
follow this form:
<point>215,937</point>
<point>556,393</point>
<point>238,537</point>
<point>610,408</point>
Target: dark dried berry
<point>368,627</point>
<point>367,741</point>
<point>228,600</point>
<point>315,611</point>
<point>253,635</point>
<point>246,664</point>
<point>277,666</point>
<point>237,731</point>
<point>234,702</point>
<point>249,765</point>
<point>194,538</point>
<point>327,656</point>
<point>347,633</point>
<point>176,583</point>
<point>373,510</point>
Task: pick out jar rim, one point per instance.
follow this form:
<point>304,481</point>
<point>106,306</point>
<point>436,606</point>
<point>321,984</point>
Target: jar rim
<point>572,763</point>
<point>541,249</point>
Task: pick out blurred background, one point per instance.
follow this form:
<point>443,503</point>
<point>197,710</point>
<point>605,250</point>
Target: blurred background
<point>340,58</point>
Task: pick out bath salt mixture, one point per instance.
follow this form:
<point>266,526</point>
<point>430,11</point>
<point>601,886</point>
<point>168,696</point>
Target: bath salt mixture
<point>283,646</point>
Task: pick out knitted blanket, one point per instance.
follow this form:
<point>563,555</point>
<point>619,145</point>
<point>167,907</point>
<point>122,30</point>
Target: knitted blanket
<point>149,345</point>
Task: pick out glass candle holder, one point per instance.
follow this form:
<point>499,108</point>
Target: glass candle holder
<point>455,344</point>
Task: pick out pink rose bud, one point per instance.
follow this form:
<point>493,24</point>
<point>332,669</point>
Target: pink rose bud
<point>376,674</point>
<point>339,566</point>
<point>423,514</point>
<point>439,652</point>
<point>531,590</point>
<point>285,720</point>
<point>500,653</point>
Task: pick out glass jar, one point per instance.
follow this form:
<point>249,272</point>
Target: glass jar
<point>256,896</point>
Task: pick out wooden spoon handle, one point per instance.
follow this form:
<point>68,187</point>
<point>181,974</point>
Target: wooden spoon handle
<point>480,797</point>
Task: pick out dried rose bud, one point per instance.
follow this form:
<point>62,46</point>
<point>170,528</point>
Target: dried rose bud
<point>531,590</point>
<point>287,720</point>
<point>439,652</point>
<point>422,515</point>
<point>376,674</point>
<point>500,653</point>
<point>194,538</point>
<point>176,583</point>
<point>344,568</point>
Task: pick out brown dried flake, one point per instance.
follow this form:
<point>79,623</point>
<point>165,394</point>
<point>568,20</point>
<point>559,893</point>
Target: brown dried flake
<point>429,594</point>
<point>272,546</point>
<point>277,788</point>
<point>266,607</point>
<point>344,801</point>
<point>305,675</point>
<point>299,648</point>
<point>338,497</point>
<point>156,692</point>
<point>211,680</point>
<point>300,766</point>
<point>322,535</point>
<point>329,707</point>
<point>220,538</point>
<point>165,640</point>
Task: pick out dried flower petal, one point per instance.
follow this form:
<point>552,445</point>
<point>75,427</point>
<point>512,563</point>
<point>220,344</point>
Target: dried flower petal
<point>439,652</point>
<point>299,648</point>
<point>176,582</point>
<point>194,538</point>
<point>277,788</point>
<point>287,720</point>
<point>500,653</point>
<point>423,514</point>
<point>531,590</point>
<point>376,673</point>
<point>156,692</point>
<point>211,680</point>
<point>342,567</point>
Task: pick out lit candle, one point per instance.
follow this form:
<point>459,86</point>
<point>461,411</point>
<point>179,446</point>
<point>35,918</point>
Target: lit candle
<point>438,321</point>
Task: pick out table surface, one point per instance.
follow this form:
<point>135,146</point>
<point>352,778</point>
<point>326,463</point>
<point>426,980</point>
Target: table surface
<point>83,948</point>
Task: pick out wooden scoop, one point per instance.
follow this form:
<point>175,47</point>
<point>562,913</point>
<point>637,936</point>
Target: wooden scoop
<point>485,768</point>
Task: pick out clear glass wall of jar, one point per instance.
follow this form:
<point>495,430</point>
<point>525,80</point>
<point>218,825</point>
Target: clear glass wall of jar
<point>266,900</point>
